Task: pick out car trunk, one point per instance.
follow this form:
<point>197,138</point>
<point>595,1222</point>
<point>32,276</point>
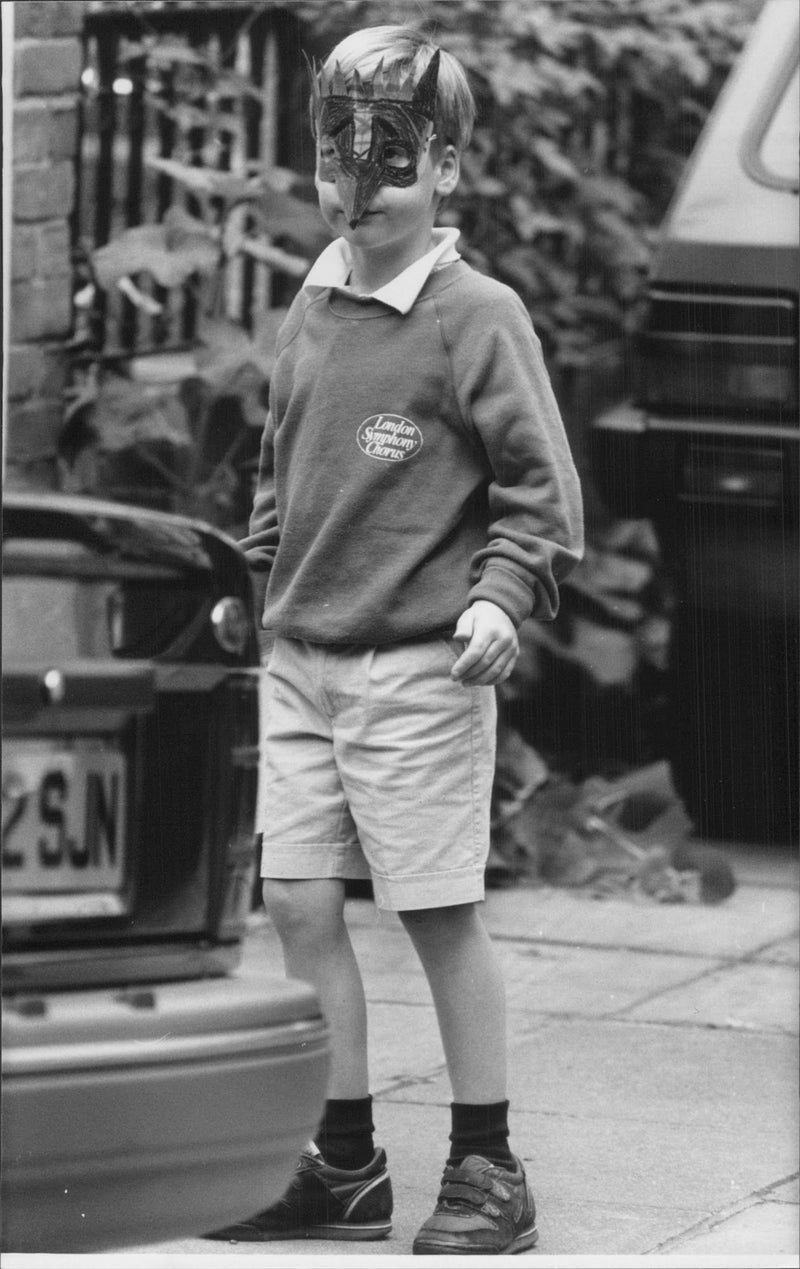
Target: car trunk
<point>129,747</point>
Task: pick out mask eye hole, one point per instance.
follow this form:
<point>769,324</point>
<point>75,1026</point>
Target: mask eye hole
<point>398,157</point>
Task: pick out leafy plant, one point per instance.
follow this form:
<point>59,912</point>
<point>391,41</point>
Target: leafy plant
<point>172,426</point>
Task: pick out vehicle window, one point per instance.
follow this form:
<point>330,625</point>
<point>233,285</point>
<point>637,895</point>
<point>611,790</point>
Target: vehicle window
<point>779,151</point>
<point>49,618</point>
<point>60,600</point>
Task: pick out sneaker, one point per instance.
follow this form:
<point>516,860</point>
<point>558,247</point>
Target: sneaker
<point>323,1202</point>
<point>482,1209</point>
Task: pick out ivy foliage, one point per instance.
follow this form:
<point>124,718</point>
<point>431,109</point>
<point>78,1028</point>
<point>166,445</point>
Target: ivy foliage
<point>587,111</point>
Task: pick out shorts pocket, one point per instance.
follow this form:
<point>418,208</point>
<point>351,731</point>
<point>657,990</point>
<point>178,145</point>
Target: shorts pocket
<point>454,647</point>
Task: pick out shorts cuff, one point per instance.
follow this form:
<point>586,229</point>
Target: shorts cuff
<point>429,890</point>
<point>304,861</point>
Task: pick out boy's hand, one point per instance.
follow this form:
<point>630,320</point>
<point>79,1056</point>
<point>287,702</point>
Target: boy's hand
<point>492,645</point>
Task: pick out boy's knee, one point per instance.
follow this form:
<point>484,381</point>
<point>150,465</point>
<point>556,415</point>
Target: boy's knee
<point>286,904</point>
<point>299,907</point>
<point>277,899</point>
<point>438,921</point>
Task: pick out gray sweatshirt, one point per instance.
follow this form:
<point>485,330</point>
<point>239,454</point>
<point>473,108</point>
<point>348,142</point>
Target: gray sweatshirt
<point>410,465</point>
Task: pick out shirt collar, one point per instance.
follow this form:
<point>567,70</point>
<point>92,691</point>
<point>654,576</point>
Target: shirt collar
<point>332,269</point>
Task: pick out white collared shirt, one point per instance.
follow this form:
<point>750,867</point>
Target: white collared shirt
<point>332,269</point>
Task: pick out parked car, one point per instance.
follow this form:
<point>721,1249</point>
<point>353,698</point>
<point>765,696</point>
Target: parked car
<point>148,1092</point>
<point>708,448</point>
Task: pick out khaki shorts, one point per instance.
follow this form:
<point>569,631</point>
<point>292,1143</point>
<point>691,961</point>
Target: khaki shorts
<point>376,764</point>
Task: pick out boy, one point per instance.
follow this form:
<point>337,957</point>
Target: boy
<point>416,501</point>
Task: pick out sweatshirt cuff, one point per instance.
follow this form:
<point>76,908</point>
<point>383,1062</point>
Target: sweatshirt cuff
<point>502,587</point>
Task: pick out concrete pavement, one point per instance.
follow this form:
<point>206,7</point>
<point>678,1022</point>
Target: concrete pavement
<point>654,1064</point>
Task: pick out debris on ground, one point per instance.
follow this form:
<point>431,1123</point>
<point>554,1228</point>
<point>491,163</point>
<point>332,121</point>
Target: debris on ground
<point>628,836</point>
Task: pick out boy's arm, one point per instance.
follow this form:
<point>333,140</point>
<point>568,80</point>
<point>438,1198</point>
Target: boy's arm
<point>535,533</point>
<point>261,543</point>
<point>536,527</point>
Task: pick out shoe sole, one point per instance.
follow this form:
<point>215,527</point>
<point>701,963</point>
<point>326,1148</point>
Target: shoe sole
<point>527,1239</point>
<point>336,1233</point>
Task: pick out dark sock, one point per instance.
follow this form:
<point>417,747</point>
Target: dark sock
<point>480,1130</point>
<point>344,1138</point>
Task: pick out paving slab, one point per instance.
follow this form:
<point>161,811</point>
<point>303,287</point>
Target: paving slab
<point>593,1229</point>
<point>596,982</point>
<point>749,920</point>
<point>784,952</point>
<point>787,1193</point>
<point>625,1163</point>
<point>765,1229</point>
<point>540,977</point>
<point>659,1075</point>
<point>404,1046</point>
<point>751,994</point>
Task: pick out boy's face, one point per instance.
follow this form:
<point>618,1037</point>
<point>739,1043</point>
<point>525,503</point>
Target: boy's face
<point>379,176</point>
<point>364,144</point>
<point>395,212</point>
<point>372,131</point>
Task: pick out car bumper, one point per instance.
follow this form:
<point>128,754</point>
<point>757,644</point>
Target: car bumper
<point>722,493</point>
<point>154,1113</point>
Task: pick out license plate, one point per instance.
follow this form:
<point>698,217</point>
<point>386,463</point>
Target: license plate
<point>64,816</point>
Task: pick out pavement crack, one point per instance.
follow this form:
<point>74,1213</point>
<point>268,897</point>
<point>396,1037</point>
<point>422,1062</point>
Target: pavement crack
<point>688,1024</point>
<point>668,989</point>
<point>592,945</point>
<point>715,1219</point>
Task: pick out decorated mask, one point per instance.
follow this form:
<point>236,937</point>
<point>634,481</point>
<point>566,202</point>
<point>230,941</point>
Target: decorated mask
<point>372,132</point>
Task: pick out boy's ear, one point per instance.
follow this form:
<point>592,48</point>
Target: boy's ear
<point>449,170</point>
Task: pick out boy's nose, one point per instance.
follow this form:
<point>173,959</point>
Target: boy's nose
<point>357,192</point>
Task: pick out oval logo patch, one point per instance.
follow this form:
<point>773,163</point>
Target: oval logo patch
<point>389,437</point>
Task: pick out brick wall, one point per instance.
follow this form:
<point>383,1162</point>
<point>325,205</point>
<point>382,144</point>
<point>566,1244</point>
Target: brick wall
<point>46,77</point>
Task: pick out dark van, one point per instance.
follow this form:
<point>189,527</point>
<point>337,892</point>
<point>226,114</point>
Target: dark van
<point>708,448</point>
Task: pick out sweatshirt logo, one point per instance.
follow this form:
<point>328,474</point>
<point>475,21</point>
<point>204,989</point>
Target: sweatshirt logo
<point>389,437</point>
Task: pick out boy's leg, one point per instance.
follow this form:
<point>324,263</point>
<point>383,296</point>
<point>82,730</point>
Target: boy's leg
<point>485,1205</point>
<point>344,1192</point>
<point>341,1187</point>
<point>460,964</point>
<point>309,919</point>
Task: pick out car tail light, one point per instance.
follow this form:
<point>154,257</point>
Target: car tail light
<point>716,355</point>
<point>231,623</point>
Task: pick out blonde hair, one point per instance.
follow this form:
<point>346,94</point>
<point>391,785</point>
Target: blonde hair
<point>455,106</point>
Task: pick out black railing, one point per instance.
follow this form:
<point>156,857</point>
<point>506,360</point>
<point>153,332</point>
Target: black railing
<point>133,110</point>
